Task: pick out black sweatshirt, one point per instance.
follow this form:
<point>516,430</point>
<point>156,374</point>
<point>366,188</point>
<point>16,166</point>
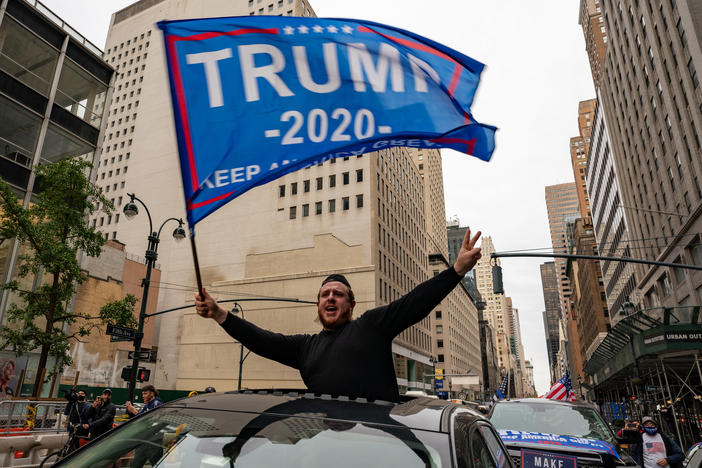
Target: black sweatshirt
<point>356,359</point>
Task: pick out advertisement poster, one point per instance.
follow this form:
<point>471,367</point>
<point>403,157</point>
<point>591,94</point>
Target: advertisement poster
<point>10,369</point>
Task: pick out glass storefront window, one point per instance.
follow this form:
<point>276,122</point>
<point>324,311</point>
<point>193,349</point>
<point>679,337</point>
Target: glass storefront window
<point>59,144</point>
<point>80,93</point>
<point>26,57</point>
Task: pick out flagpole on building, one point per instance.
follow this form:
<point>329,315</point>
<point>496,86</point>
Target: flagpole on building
<point>196,262</point>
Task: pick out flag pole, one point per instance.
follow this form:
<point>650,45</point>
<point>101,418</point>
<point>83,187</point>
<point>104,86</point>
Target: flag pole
<point>197,263</point>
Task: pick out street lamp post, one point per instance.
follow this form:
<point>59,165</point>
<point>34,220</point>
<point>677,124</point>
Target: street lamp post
<point>238,310</point>
<point>131,210</point>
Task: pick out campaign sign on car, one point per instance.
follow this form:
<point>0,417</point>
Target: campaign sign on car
<point>532,459</point>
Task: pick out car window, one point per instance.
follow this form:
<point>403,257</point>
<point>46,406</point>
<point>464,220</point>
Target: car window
<point>496,448</point>
<point>186,437</point>
<point>577,421</point>
<point>479,451</point>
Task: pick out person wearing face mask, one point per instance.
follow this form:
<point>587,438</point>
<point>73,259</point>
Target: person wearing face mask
<point>77,416</point>
<point>656,449</point>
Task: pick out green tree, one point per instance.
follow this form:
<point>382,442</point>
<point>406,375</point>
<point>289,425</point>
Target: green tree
<point>51,232</point>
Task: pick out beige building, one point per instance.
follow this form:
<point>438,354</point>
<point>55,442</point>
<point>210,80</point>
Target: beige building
<point>456,333</point>
<point>579,150</point>
<point>595,30</point>
<point>115,273</point>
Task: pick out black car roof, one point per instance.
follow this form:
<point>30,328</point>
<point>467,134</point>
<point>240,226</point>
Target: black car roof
<point>417,413</point>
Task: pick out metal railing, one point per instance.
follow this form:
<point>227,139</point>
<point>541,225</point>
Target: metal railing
<point>66,27</point>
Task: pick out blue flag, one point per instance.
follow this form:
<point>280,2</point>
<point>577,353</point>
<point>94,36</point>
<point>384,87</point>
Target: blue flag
<point>257,97</point>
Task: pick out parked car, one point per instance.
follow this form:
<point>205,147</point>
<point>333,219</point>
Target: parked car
<point>254,429</point>
<point>693,458</point>
<point>539,430</point>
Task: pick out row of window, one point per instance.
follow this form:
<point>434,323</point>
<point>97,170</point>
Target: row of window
<point>331,207</point>
<point>129,42</point>
<point>319,183</point>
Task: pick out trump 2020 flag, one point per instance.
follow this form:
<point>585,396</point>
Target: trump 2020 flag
<point>257,97</point>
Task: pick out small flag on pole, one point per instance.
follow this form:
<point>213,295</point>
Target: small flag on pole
<point>561,390</point>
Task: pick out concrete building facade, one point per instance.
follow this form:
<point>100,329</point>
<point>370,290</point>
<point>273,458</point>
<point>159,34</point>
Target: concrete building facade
<point>595,30</point>
<point>552,314</point>
<point>651,96</point>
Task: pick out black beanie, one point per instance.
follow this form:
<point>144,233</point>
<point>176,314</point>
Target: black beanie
<point>336,277</point>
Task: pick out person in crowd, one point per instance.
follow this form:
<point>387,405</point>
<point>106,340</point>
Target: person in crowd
<point>101,414</point>
<point>655,449</point>
<point>348,356</point>
<point>151,401</point>
<point>77,416</point>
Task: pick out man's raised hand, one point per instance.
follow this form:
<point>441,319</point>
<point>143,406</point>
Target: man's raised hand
<point>469,254</point>
<point>207,307</point>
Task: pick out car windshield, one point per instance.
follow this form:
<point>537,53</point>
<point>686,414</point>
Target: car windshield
<point>187,437</point>
<point>577,421</point>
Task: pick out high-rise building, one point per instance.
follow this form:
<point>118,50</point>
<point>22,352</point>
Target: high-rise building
<point>364,216</point>
<point>552,314</point>
<point>595,31</point>
<point>53,88</point>
<point>455,328</point>
<point>579,150</point>
<point>651,96</point>
<point>562,206</point>
<point>608,220</point>
<point>456,233</point>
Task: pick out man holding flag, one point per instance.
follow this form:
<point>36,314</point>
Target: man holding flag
<point>257,97</point>
<point>348,357</point>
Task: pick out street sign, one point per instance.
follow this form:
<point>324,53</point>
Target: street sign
<point>439,384</point>
<point>142,355</point>
<point>439,374</point>
<point>114,338</point>
<point>653,388</point>
<point>121,332</point>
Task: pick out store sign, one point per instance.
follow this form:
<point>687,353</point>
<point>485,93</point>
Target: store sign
<point>675,336</point>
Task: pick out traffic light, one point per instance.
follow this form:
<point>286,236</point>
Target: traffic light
<point>143,374</point>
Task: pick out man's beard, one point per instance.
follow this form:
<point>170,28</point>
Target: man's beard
<point>343,319</point>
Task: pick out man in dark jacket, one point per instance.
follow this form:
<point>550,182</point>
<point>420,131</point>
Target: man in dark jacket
<point>102,414</point>
<point>348,357</point>
<point>656,449</point>
<point>77,416</point>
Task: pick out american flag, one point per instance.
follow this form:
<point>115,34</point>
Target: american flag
<point>501,390</point>
<point>561,390</point>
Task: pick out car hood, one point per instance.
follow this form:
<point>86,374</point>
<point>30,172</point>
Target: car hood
<point>556,442</point>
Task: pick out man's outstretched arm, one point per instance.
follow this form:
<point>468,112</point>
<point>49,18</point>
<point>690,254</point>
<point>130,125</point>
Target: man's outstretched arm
<point>285,349</point>
<point>418,303</point>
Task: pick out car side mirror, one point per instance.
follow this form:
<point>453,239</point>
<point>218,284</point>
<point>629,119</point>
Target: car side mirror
<point>483,409</point>
<point>629,437</point>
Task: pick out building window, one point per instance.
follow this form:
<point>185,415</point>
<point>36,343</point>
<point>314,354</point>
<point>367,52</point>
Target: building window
<point>293,212</point>
<point>440,329</point>
<point>332,206</point>
<point>306,185</point>
<point>345,203</point>
<point>359,201</point>
<point>345,178</point>
<point>359,175</point>
<point>693,73</point>
<point>440,357</point>
<point>318,208</point>
<point>332,180</point>
<point>293,188</point>
<point>679,272</point>
<point>319,183</point>
<point>305,210</point>
<point>281,190</point>
<point>439,343</point>
<point>438,314</point>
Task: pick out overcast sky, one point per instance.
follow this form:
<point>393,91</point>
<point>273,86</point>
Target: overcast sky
<point>537,72</point>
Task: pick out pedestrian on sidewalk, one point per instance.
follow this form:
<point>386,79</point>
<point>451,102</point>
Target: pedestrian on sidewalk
<point>655,449</point>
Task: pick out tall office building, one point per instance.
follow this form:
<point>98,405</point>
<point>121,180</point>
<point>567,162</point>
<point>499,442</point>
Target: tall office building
<point>53,89</point>
<point>608,220</point>
<point>456,233</point>
<point>362,215</point>
<point>456,332</point>
<point>595,31</point>
<point>552,314</point>
<point>562,206</point>
<point>579,150</point>
<point>651,96</point>
<point>495,305</point>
